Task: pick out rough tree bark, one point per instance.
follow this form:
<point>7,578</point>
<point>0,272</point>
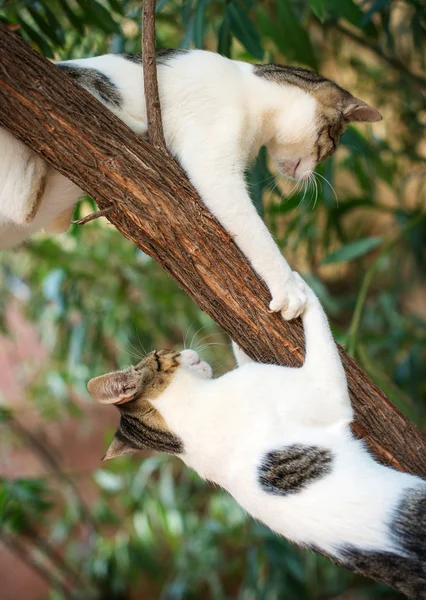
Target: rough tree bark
<point>156,207</point>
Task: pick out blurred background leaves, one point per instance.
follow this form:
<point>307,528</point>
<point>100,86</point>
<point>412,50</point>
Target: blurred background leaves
<point>151,529</point>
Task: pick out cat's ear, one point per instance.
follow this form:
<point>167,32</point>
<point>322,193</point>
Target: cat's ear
<point>360,111</point>
<point>118,448</point>
<point>117,387</point>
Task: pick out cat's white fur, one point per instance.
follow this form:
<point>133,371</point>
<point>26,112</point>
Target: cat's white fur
<point>216,116</point>
<point>228,424</point>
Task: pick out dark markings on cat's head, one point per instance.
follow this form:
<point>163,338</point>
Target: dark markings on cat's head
<point>408,524</point>
<point>132,391</point>
<point>290,469</point>
<point>407,575</point>
<point>336,107</point>
<point>94,82</point>
<point>163,56</point>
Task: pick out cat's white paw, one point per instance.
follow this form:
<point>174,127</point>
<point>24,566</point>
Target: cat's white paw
<point>292,299</point>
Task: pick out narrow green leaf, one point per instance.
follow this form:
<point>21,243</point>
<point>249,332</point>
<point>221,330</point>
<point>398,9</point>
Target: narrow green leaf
<point>95,14</point>
<point>55,25</point>
<point>352,250</point>
<point>44,26</point>
<point>244,30</point>
<point>287,33</point>
<point>199,23</point>
<point>319,9</point>
<point>34,37</point>
<point>108,481</point>
<point>347,9</point>
<point>115,5</point>
<point>186,11</point>
<point>72,18</point>
<point>224,38</point>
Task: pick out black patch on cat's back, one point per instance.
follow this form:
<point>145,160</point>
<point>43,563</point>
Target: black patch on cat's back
<point>141,436</point>
<point>95,82</point>
<point>404,574</point>
<point>289,470</point>
<point>287,74</point>
<point>162,55</point>
<point>408,525</point>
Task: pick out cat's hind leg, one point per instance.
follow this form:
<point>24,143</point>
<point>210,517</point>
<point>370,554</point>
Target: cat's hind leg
<point>23,179</point>
<point>240,356</point>
<point>323,366</point>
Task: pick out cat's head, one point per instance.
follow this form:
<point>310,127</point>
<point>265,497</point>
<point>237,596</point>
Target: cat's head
<point>308,131</point>
<point>136,391</point>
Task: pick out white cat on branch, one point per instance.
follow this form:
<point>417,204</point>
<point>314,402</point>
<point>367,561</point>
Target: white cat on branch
<point>217,113</point>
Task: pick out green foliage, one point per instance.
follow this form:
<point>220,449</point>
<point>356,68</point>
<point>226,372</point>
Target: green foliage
<point>98,303</point>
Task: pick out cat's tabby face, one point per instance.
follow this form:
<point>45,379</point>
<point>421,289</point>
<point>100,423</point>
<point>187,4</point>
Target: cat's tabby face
<point>310,130</point>
<point>135,391</point>
<point>148,379</point>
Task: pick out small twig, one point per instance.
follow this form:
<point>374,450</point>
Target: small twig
<point>93,216</point>
<point>149,62</point>
<point>393,61</point>
<point>14,545</point>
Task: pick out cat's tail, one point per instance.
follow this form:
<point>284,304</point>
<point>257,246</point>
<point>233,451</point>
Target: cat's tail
<point>402,564</point>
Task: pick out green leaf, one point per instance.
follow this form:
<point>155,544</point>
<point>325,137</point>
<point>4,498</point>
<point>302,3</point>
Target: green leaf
<point>55,26</point>
<point>244,30</point>
<point>347,9</point>
<point>199,23</point>
<point>287,33</point>
<point>115,5</point>
<point>44,26</point>
<point>224,38</point>
<point>352,250</point>
<point>108,481</point>
<point>72,18</point>
<point>98,16</point>
<point>319,8</point>
<point>34,37</point>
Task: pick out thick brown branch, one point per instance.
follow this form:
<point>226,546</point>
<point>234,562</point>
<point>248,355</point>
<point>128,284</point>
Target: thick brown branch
<point>149,61</point>
<point>157,208</point>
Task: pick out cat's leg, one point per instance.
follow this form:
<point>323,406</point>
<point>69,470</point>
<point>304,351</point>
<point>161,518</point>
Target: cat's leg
<point>61,223</point>
<point>23,178</point>
<point>323,365</point>
<point>226,196</point>
<point>240,356</point>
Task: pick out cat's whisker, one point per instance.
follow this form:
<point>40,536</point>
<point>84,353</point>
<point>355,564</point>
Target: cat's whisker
<point>140,342</point>
<point>137,351</point>
<point>332,188</point>
<point>202,349</point>
<point>194,337</point>
<point>126,351</point>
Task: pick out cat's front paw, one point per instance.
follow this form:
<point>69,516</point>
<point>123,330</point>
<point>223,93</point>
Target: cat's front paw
<point>292,299</point>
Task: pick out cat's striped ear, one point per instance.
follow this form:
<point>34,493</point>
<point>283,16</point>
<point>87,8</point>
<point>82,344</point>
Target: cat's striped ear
<point>359,111</point>
<point>117,387</point>
<point>117,448</point>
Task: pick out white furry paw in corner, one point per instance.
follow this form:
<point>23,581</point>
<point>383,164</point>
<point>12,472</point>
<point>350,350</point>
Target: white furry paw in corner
<point>292,299</point>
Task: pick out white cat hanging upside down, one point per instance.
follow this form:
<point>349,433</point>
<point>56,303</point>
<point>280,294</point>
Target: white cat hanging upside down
<point>278,439</point>
<point>217,113</point>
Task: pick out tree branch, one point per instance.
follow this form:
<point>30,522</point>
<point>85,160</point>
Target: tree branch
<point>158,209</point>
<point>149,62</point>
